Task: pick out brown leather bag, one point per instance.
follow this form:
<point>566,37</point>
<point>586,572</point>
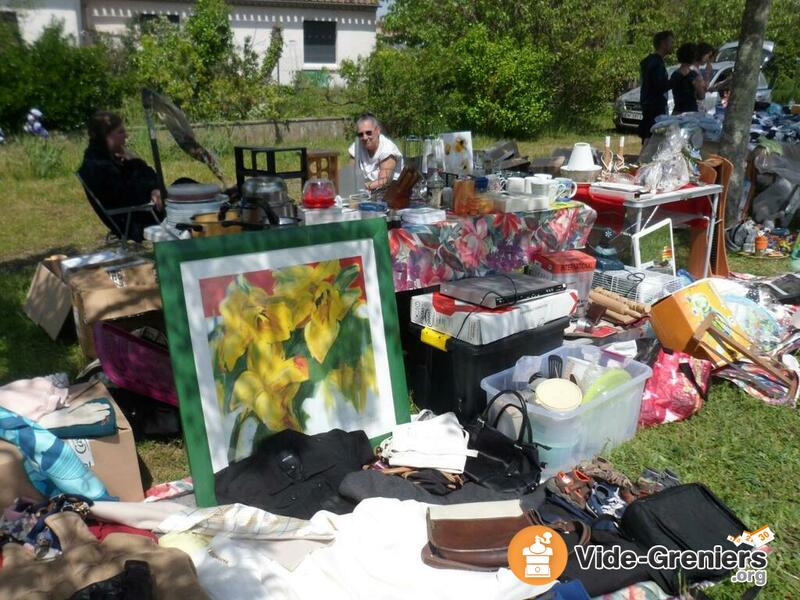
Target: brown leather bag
<point>475,535</point>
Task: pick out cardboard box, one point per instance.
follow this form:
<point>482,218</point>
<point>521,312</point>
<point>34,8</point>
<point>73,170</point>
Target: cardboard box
<point>478,326</point>
<point>49,300</point>
<point>112,458</point>
<point>92,292</point>
<point>116,293</point>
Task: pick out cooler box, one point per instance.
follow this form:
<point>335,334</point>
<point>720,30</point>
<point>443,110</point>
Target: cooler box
<point>593,428</point>
<point>572,268</point>
<point>449,378</point>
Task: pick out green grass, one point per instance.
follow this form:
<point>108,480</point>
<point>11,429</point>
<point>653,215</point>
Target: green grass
<point>745,451</point>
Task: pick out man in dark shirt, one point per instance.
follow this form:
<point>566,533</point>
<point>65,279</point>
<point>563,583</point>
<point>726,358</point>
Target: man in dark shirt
<point>655,83</point>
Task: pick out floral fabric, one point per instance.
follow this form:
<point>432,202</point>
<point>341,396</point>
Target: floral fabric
<point>426,255</point>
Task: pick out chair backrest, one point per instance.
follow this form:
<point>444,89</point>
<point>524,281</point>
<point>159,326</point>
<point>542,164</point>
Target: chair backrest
<point>99,210</point>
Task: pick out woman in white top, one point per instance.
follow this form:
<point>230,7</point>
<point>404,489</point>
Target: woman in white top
<point>377,156</point>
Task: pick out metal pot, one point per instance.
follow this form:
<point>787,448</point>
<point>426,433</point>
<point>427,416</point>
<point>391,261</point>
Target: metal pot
<point>223,222</point>
<point>266,200</point>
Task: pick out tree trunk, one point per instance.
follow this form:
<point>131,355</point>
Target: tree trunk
<point>739,114</point>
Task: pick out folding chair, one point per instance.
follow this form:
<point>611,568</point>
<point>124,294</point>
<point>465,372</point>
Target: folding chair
<point>106,215</point>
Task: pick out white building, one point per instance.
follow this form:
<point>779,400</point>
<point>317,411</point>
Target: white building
<point>317,34</point>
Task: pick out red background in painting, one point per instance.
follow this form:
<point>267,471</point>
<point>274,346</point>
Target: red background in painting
<point>212,289</point>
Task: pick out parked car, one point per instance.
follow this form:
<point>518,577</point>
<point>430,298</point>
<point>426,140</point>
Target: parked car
<point>727,52</point>
<point>628,107</point>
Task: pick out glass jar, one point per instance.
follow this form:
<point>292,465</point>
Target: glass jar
<point>319,193</point>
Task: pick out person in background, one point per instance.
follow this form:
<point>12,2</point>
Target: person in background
<point>378,158</point>
<point>686,83</point>
<point>655,82</point>
<point>115,176</point>
<point>704,62</point>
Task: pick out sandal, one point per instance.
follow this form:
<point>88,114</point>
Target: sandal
<point>575,487</point>
<point>601,468</point>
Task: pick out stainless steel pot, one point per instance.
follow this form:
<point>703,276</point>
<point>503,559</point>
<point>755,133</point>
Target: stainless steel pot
<point>266,200</point>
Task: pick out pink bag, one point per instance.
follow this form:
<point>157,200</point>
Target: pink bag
<point>676,389</point>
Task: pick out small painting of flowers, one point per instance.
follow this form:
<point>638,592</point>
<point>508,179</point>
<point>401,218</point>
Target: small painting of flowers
<point>286,342</point>
<point>458,152</point>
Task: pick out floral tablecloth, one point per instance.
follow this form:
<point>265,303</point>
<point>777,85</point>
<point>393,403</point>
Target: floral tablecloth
<point>426,255</point>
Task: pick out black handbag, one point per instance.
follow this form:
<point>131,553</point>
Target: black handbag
<point>503,464</point>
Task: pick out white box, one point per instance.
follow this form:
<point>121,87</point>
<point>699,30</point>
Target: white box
<point>478,325</point>
<point>335,214</point>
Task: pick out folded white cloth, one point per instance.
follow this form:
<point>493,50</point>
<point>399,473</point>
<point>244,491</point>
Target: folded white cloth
<point>437,443</point>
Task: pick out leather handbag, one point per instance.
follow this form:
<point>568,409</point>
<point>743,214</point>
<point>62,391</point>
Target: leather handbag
<point>473,536</point>
<point>503,464</point>
<point>476,536</point>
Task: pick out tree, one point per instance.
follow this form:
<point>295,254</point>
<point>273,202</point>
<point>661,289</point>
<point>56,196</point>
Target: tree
<point>738,115</point>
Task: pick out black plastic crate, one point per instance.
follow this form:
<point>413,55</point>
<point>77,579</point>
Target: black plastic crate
<point>450,380</point>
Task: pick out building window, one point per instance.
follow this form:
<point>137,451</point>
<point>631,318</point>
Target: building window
<point>146,20</point>
<point>9,17</point>
<point>319,42</point>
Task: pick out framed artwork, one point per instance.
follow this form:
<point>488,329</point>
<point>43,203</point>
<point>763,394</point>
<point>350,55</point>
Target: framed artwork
<point>458,152</point>
<point>293,328</point>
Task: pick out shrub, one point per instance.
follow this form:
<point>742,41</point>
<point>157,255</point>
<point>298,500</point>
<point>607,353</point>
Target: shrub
<point>199,68</point>
<point>34,76</point>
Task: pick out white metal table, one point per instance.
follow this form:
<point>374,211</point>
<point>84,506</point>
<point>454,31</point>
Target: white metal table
<point>657,201</point>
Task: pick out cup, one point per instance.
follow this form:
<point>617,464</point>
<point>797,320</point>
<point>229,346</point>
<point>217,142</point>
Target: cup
<point>515,185</point>
<point>495,183</point>
<point>543,175</point>
<point>539,188</point>
<point>567,187</point>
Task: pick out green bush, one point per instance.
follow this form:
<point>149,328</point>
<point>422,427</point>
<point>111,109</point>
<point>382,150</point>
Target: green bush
<point>67,83</point>
<point>199,68</point>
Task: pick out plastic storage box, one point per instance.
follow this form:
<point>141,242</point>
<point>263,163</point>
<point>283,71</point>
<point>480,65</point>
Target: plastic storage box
<point>592,428</point>
<point>450,379</point>
<point>572,267</point>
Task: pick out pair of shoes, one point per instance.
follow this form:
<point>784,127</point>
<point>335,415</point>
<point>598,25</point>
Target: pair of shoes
<point>575,487</point>
<point>652,481</point>
<point>601,469</point>
<point>606,500</point>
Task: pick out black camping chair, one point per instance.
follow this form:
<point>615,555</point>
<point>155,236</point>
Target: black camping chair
<point>107,215</point>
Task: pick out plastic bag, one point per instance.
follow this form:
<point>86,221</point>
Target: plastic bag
<point>676,389</point>
<point>669,169</point>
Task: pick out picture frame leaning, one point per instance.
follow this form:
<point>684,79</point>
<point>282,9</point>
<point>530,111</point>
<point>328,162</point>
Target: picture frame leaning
<point>286,328</point>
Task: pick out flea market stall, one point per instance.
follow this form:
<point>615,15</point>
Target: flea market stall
<point>400,392</point>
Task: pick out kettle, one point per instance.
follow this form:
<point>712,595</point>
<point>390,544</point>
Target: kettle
<point>266,200</point>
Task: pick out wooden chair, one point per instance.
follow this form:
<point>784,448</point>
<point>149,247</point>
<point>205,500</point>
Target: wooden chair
<point>713,170</point>
<point>324,164</point>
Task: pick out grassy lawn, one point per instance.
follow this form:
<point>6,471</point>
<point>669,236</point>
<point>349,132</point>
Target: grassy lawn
<point>745,451</point>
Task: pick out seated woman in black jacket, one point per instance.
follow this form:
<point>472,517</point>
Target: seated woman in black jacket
<point>116,176</point>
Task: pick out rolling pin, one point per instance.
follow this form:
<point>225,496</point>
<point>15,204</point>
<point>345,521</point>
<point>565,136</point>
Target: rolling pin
<point>614,305</point>
<point>637,306</point>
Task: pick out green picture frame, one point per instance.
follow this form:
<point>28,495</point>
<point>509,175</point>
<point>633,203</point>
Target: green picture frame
<point>182,268</point>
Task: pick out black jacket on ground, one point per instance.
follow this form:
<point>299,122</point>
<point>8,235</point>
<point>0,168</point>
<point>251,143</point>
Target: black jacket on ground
<point>294,474</point>
<point>118,184</point>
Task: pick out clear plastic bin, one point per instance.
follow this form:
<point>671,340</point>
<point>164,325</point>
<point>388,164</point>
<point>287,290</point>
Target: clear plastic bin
<point>592,428</point>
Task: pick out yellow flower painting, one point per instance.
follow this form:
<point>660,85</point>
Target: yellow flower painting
<point>281,337</point>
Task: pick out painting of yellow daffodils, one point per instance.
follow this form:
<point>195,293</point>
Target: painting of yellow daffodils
<point>291,348</point>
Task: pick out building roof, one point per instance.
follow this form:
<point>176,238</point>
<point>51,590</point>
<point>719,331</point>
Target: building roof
<point>311,3</point>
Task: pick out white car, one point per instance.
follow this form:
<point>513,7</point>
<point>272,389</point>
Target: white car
<point>628,107</point>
